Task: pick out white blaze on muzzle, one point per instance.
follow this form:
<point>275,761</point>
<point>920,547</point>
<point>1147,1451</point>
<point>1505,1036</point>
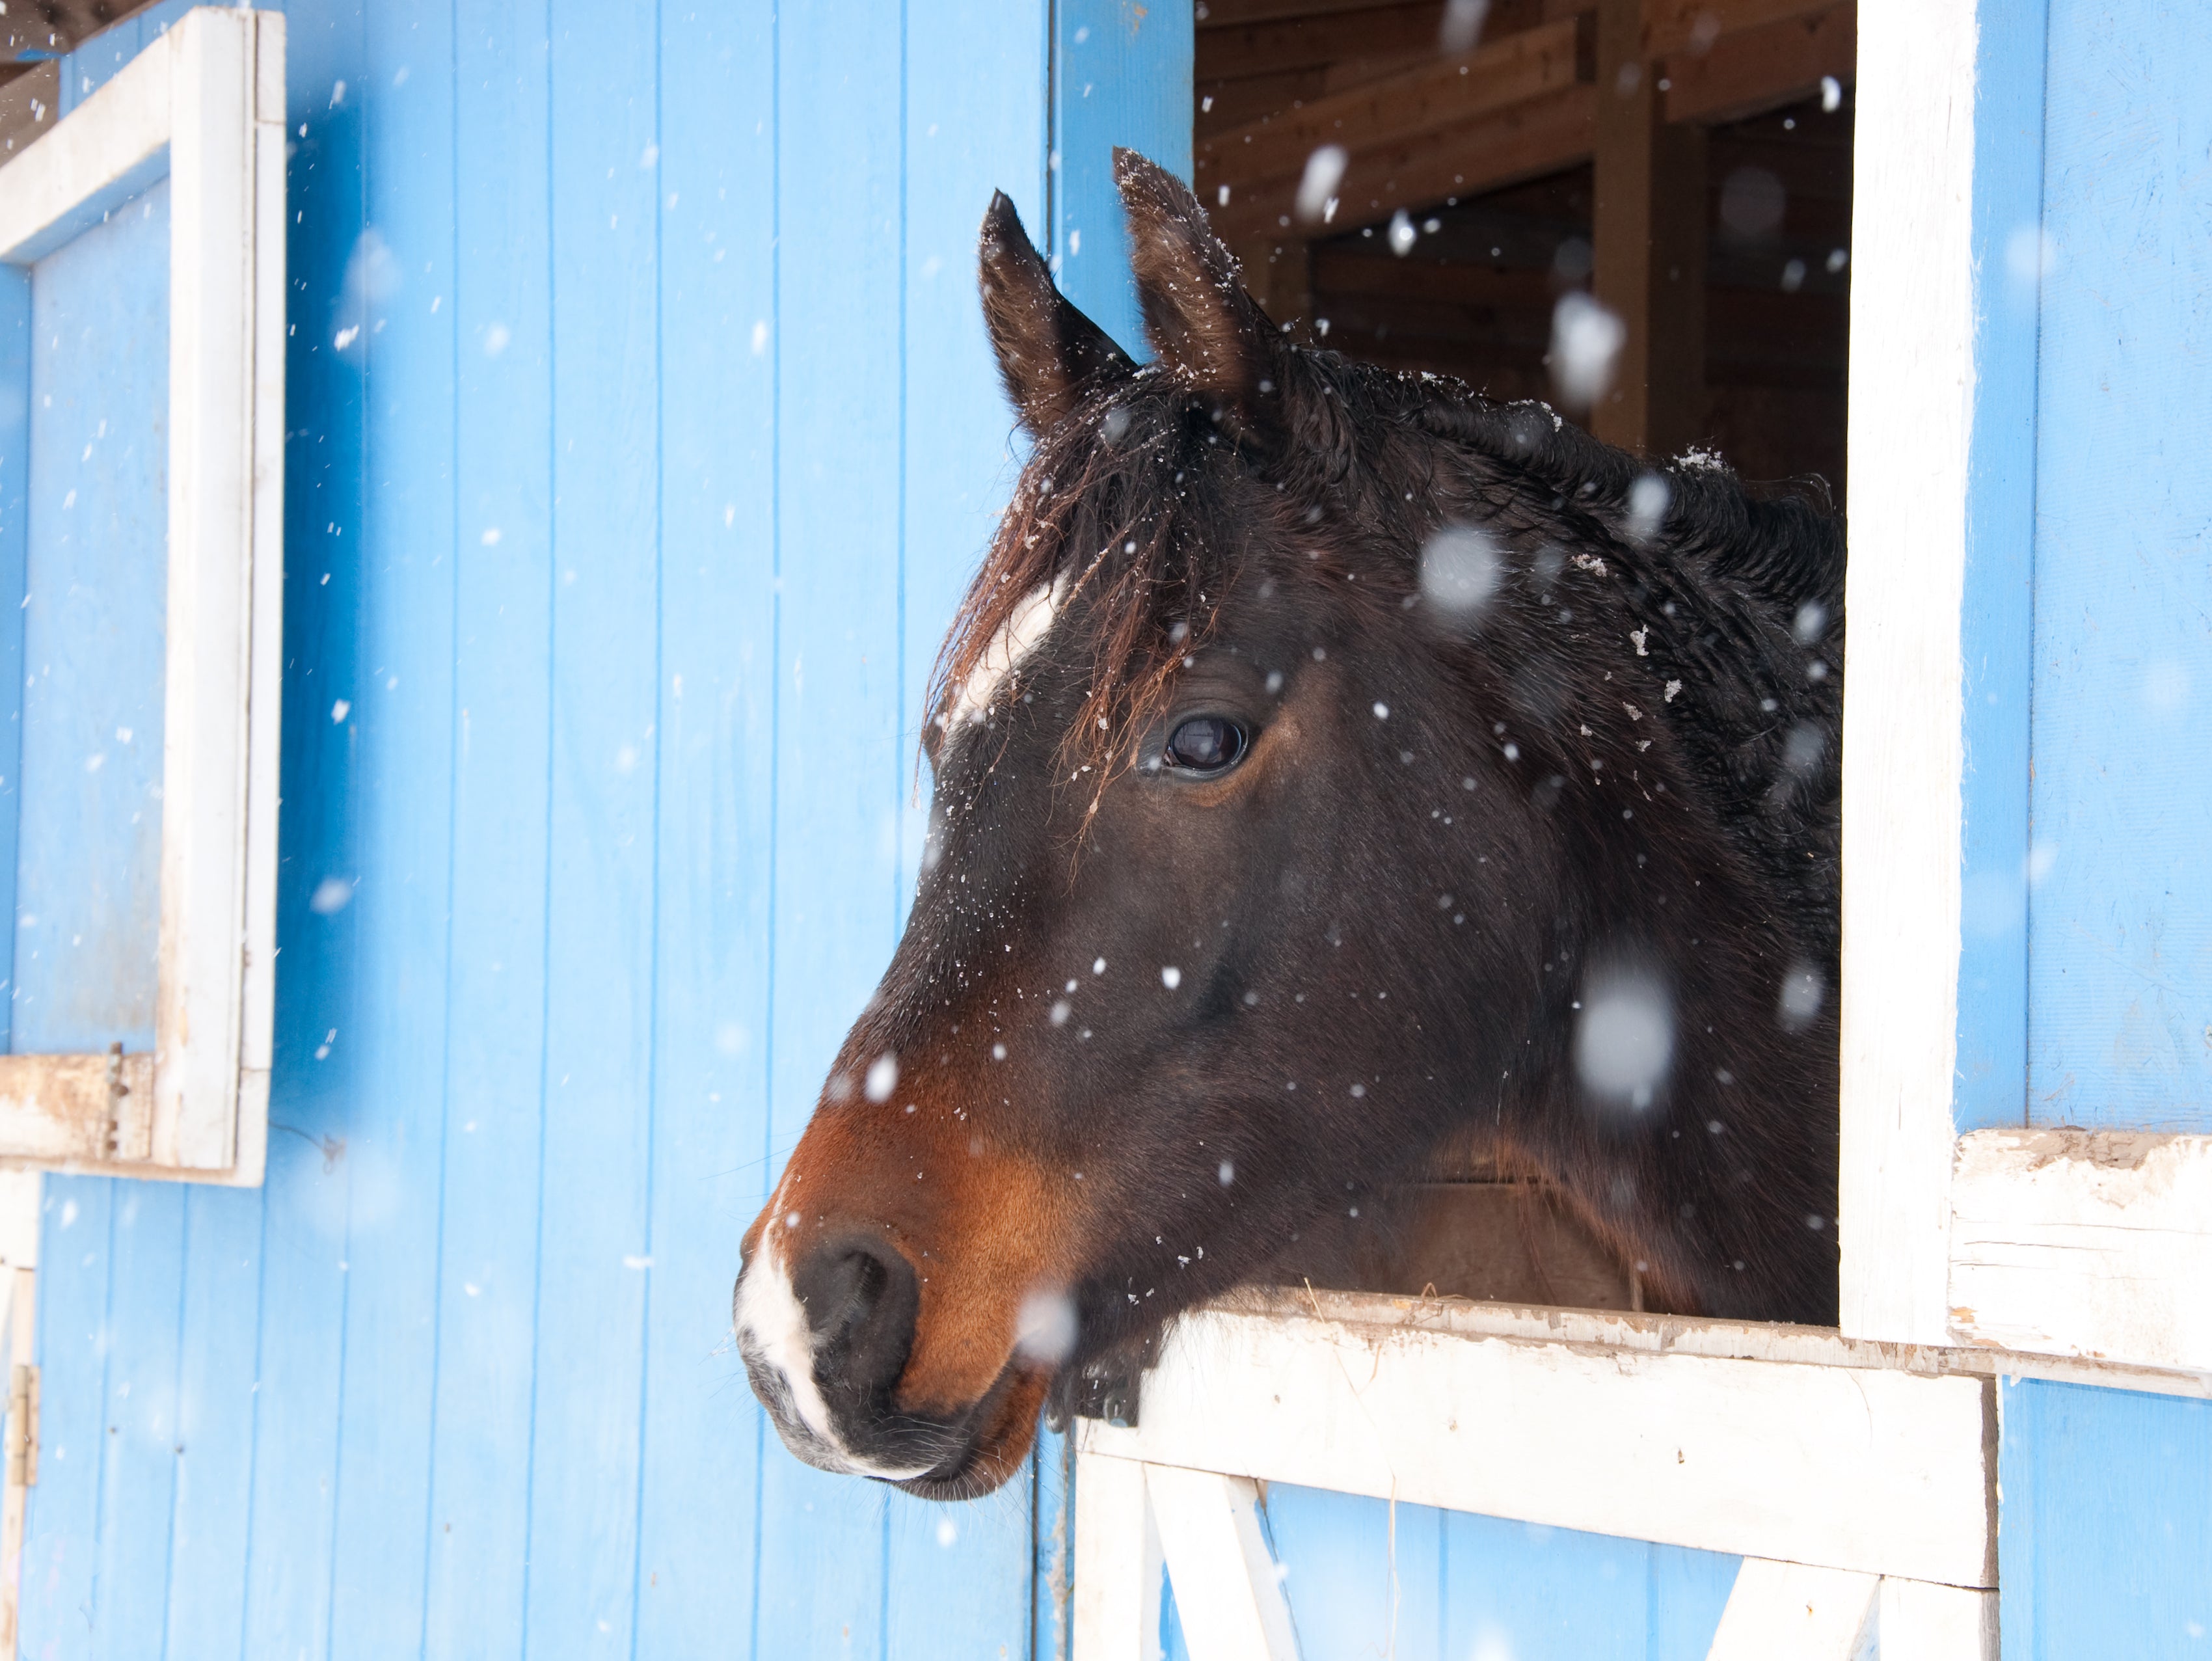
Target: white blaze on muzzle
<point>778,1344</point>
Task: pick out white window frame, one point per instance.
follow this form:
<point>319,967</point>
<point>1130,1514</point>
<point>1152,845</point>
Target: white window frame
<point>203,106</point>
<point>1855,1471</point>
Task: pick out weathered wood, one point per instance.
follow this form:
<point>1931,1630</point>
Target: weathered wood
<point>2095,1244</point>
<point>1669,26</point>
<point>1228,1597</point>
<point>1267,48</point>
<point>1912,332</point>
<point>1854,1468</point>
<point>1917,1621</point>
<point>1649,232</point>
<point>80,1112</point>
<point>1522,142</point>
<point>1444,94</point>
<point>1117,1562</point>
<point>1753,70</point>
<point>1790,1609</point>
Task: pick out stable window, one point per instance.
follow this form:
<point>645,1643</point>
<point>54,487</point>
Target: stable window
<point>1795,190</point>
<point>142,354</point>
<point>1640,213</point>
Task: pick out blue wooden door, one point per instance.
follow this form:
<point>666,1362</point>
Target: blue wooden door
<point>642,435</point>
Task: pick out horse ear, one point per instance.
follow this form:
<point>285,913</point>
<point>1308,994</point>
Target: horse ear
<point>1049,352</point>
<point>1207,330</point>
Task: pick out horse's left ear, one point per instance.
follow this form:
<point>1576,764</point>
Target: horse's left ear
<point>1206,331</point>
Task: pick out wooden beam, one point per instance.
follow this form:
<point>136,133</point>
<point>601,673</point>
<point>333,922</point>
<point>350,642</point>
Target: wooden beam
<point>1521,142</point>
<point>2084,1242</point>
<point>1869,1468</point>
<point>1695,26</point>
<point>1303,43</point>
<point>1753,70</point>
<point>1788,1609</point>
<point>83,1111</point>
<point>1648,233</point>
<point>1117,1563</point>
<point>1445,94</point>
<point>1227,1594</point>
<point>1213,14</point>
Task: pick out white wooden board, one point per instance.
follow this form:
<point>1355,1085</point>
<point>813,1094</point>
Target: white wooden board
<point>2091,1243</point>
<point>1855,1468</point>
<point>1911,378</point>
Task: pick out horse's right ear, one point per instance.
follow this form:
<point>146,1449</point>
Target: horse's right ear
<point>1049,352</point>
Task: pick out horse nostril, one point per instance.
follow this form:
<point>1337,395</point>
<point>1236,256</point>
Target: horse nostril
<point>861,1300</point>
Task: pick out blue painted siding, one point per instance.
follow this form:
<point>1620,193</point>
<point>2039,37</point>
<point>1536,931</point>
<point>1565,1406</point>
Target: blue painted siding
<point>641,437</point>
<point>1996,609</point>
<point>1367,1578</point>
<point>2120,983</point>
<point>92,610</point>
<point>2106,1537</point>
<point>1121,74</point>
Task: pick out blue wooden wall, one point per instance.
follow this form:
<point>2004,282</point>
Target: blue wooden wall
<point>1365,1579</point>
<point>642,435</point>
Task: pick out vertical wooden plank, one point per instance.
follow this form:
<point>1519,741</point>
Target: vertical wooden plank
<point>1911,380</point>
<point>138,1433</point>
<point>1687,1591</point>
<point>2105,1531</point>
<point>2121,957</point>
<point>15,549</point>
<point>839,754</point>
<point>1121,74</point>
<point>495,1020</point>
<point>216,1394</point>
<point>1117,1562</point>
<point>1542,1594</point>
<point>1355,1582</point>
<point>88,909</point>
<point>299,1343</point>
<point>63,1516</point>
<point>399,294</point>
<point>1997,612</point>
<point>592,1242</point>
<point>702,1431</point>
<point>1648,230</point>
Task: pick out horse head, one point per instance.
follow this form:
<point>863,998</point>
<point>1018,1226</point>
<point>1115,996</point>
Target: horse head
<point>1329,765</point>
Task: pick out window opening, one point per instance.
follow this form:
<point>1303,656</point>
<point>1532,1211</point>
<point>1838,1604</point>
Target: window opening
<point>1637,210</point>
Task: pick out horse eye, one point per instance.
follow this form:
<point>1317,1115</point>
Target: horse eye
<point>1206,744</point>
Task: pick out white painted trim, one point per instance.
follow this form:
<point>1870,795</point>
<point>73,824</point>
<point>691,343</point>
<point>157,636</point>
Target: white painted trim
<point>1862,1468</point>
<point>203,103</point>
<point>2079,1243</point>
<point>1229,1598</point>
<point>1805,1613</point>
<point>1917,1621</point>
<point>1116,1591</point>
<point>1911,380</point>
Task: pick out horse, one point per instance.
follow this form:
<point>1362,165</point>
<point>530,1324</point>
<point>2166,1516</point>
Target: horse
<point>1330,766</point>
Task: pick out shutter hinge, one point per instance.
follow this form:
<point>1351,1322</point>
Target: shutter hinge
<point>23,1426</point>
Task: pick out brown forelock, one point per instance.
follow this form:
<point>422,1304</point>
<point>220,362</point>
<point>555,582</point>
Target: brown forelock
<point>982,1226</point>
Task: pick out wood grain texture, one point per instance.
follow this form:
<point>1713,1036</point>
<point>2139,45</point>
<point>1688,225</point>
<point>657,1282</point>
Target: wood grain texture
<point>1911,420</point>
<point>2120,954</point>
<point>457,1379</point>
<point>1807,1614</point>
<point>1875,1471</point>
<point>2107,1530</point>
<point>2095,1244</point>
<point>1228,1594</point>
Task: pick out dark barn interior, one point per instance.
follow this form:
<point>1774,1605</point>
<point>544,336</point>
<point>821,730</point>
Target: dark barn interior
<point>1685,164</point>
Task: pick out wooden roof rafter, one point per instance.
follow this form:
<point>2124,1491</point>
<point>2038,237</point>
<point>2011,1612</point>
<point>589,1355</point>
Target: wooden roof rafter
<point>1520,106</point>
